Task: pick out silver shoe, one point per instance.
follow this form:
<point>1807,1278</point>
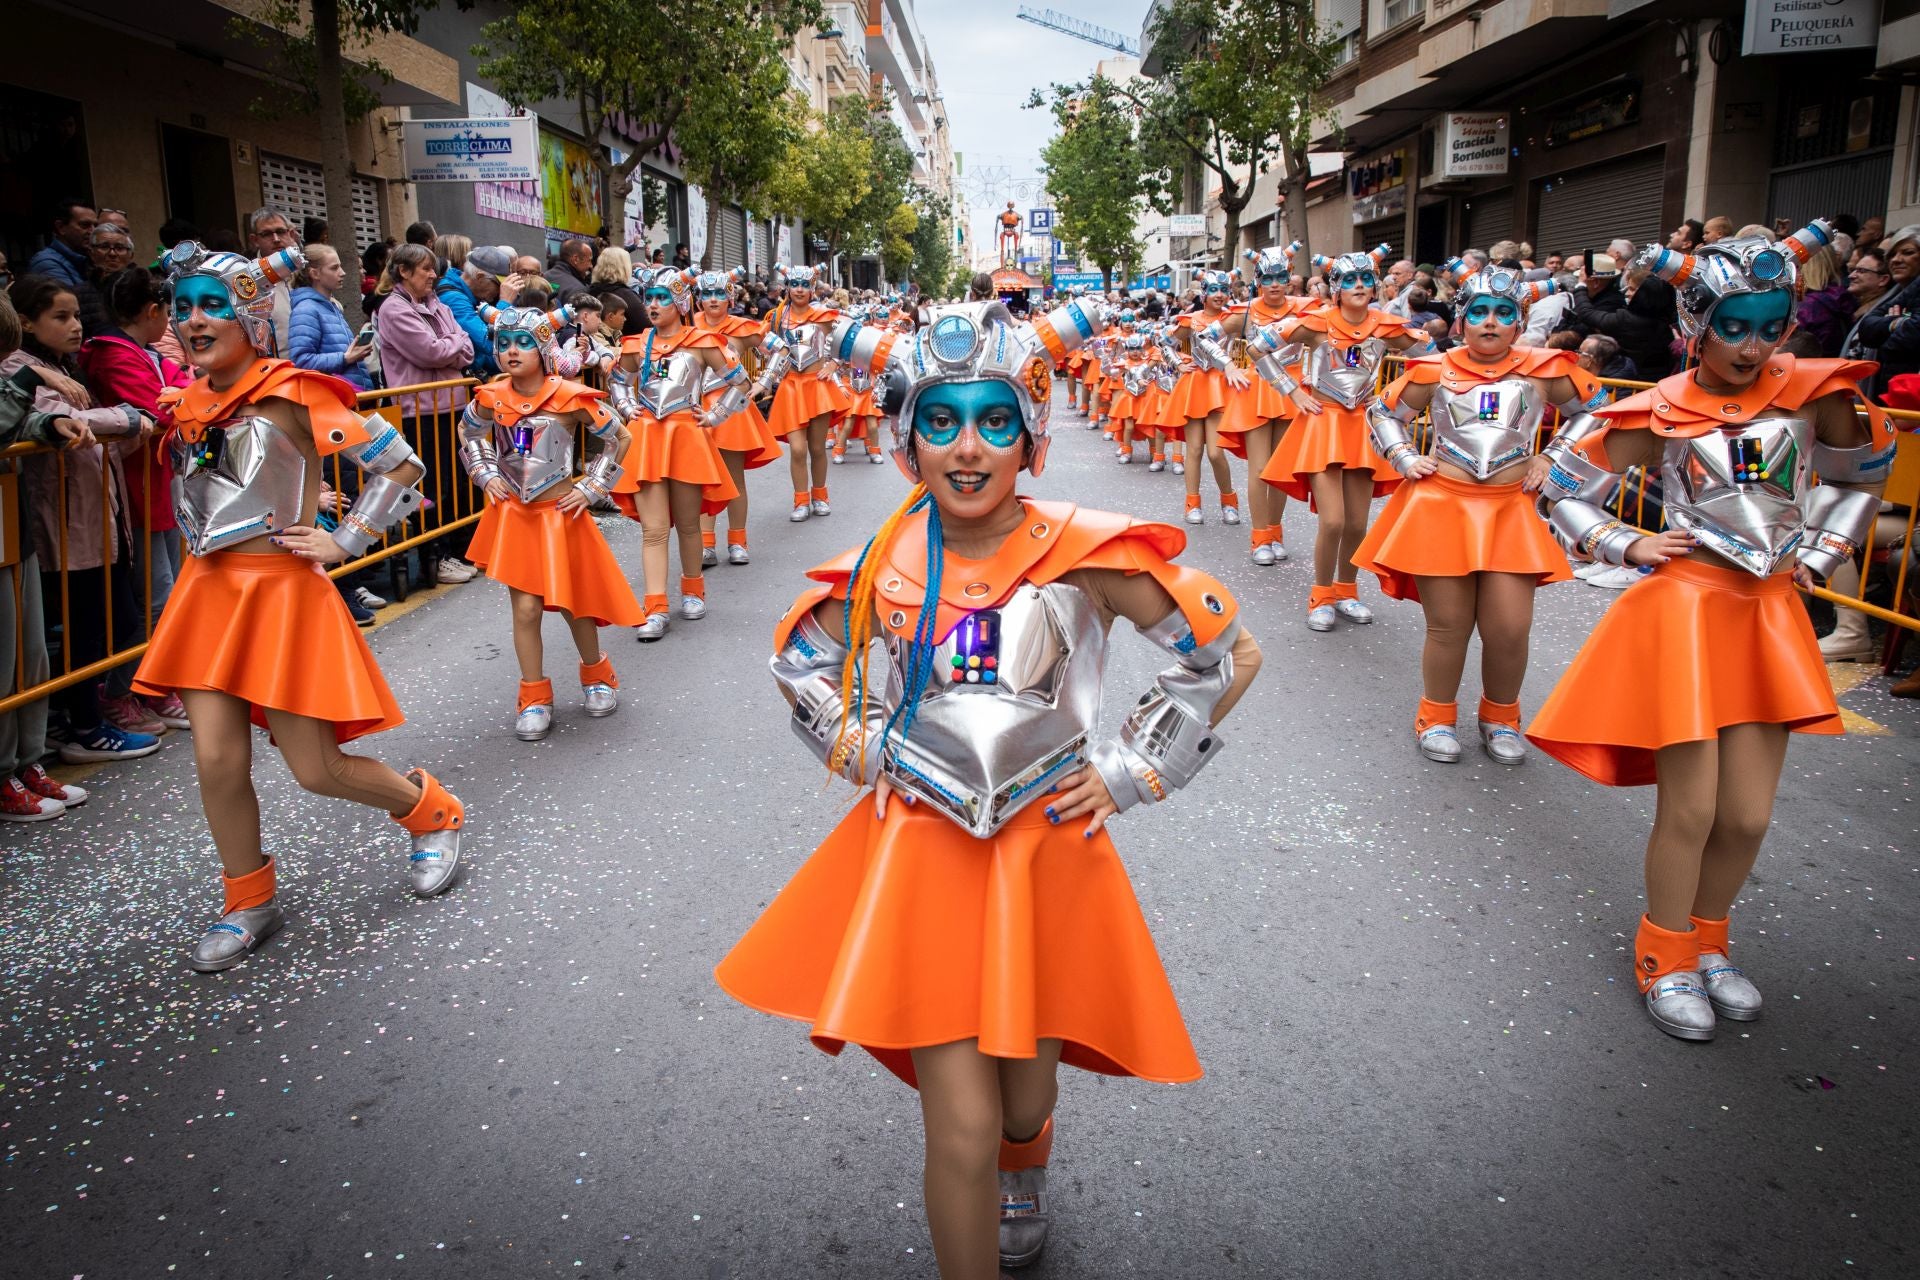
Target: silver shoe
<point>533,724</point>
<point>693,608</point>
<point>1263,554</point>
<point>1439,742</point>
<point>1679,1006</point>
<point>1023,1216</point>
<point>736,554</point>
<point>1157,464</point>
<point>652,629</point>
<point>1279,550</point>
<point>820,507</point>
<point>1503,742</point>
<point>1196,516</point>
<point>234,936</point>
<point>1123,459</point>
<point>1353,611</point>
<point>1733,996</point>
<point>1229,515</point>
<point>876,458</point>
<point>600,699</point>
<point>1320,618</point>
<point>1179,468</point>
<point>709,557</point>
<point>800,513</point>
<point>434,862</point>
<point>839,458</point>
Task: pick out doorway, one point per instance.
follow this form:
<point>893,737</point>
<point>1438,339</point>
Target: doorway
<point>199,171</point>
<point>1430,234</point>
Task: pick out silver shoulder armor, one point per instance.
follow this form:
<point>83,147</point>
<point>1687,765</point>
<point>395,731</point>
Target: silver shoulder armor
<point>1169,735</point>
<point>1392,433</point>
<point>383,502</point>
<point>1838,522</point>
<point>478,453</point>
<point>1863,464</point>
<point>808,669</point>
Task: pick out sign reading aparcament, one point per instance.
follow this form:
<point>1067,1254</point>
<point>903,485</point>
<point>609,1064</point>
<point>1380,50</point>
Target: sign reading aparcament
<point>473,150</point>
<point>1798,26</point>
<point>1475,144</point>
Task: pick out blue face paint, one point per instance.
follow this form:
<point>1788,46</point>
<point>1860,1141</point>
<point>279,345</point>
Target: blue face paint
<point>1749,317</point>
<point>1356,280</point>
<point>507,339</point>
<point>664,296</point>
<point>211,296</point>
<point>990,408</point>
<point>1504,310</point>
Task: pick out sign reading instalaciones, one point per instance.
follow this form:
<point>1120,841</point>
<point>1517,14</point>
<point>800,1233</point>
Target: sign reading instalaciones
<point>473,150</point>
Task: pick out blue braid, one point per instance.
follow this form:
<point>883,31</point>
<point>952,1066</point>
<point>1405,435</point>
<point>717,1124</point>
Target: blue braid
<point>920,655</point>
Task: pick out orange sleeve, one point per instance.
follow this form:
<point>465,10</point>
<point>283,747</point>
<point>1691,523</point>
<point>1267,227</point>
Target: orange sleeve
<point>832,581</point>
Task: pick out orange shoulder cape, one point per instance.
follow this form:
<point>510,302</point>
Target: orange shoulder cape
<point>332,404</point>
<point>1457,372</point>
<point>731,326</point>
<point>556,395</point>
<point>1328,320</point>
<point>1056,539</point>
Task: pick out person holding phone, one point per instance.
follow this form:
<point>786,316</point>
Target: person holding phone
<point>318,337</point>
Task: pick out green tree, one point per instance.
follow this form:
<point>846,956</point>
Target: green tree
<point>733,159</point>
<point>932,240</point>
<point>1097,174</point>
<point>877,216</point>
<point>824,180</point>
<point>896,241</point>
<point>677,68</point>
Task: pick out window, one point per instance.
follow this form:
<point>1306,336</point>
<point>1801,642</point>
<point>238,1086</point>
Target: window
<point>1388,14</point>
<point>1343,17</point>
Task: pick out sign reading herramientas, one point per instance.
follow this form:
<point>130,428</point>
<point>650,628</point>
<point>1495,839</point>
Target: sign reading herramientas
<point>473,150</point>
<point>1798,26</point>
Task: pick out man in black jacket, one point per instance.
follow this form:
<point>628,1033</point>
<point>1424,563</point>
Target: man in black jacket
<point>1642,325</point>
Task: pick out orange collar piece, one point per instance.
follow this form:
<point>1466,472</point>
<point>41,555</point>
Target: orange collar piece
<point>331,403</point>
<point>730,326</point>
<point>1328,320</point>
<point>685,336</point>
<point>556,395</point>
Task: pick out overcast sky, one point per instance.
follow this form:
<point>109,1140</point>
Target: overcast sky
<point>988,61</point>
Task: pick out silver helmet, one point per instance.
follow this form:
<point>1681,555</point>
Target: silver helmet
<point>1494,282</point>
<point>709,282</point>
<point>249,282</point>
<point>676,280</point>
<point>1273,266</point>
<point>797,277</point>
<point>1713,273</point>
<point>975,342</point>
<point>542,326</point>
<point>1353,263</point>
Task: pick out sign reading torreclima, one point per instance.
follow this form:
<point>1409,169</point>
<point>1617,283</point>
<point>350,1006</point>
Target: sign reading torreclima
<point>473,150</point>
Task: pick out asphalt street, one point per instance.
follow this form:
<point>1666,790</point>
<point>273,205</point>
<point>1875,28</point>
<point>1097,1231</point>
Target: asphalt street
<point>1408,982</point>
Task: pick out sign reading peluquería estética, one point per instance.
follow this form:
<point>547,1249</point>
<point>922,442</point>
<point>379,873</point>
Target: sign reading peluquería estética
<point>1801,26</point>
<point>473,150</point>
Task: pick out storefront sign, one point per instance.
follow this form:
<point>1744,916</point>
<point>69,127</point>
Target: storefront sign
<point>1801,26</point>
<point>472,150</point>
<point>1474,144</point>
<point>510,202</point>
<point>1614,106</point>
<point>1187,224</point>
<point>572,192</point>
<point>1391,203</point>
<point>1377,173</point>
<point>1039,219</point>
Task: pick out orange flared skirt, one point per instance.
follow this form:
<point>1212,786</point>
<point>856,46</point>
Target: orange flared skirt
<point>1150,413</point>
<point>909,932</point>
<point>747,432</point>
<point>1317,442</point>
<point>1251,407</point>
<point>677,449</point>
<point>1124,405</point>
<point>1442,527</point>
<point>563,559</point>
<point>1198,393</point>
<point>802,397</point>
<point>1677,658</point>
<point>271,629</point>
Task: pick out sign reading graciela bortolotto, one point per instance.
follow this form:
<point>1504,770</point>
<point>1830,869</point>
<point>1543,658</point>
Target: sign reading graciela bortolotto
<point>1806,26</point>
<point>1474,144</point>
<point>491,150</point>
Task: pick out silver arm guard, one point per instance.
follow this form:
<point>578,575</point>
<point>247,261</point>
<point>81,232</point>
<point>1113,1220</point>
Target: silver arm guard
<point>1838,523</point>
<point>1420,346</point>
<point>383,501</point>
<point>1271,356</point>
<point>600,476</point>
<point>732,400</point>
<point>620,394</point>
<point>1573,405</point>
<point>477,453</point>
<point>1207,342</point>
<point>808,668</point>
<point>1573,497</point>
<point>779,364</point>
<point>1862,464</point>
<point>1391,432</point>
<point>1168,735</point>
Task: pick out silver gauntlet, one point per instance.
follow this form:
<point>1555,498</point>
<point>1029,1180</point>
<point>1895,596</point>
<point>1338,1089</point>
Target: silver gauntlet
<point>1271,356</point>
<point>620,394</point>
<point>1207,343</point>
<point>1838,523</point>
<point>1574,406</point>
<point>808,669</point>
<point>1863,464</point>
<point>1574,495</point>
<point>779,364</point>
<point>1168,736</point>
<point>477,452</point>
<point>731,401</point>
<point>383,501</point>
<point>1390,429</point>
<point>600,476</point>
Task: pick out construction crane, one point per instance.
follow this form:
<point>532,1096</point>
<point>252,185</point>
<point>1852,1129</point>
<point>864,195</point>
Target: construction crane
<point>1067,25</point>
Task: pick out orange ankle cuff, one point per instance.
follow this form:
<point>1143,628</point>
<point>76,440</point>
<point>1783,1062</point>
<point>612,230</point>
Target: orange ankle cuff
<point>1659,952</point>
<point>696,587</point>
<point>1319,596</point>
<point>1015,1156</point>
<point>1193,501</point>
<point>736,537</point>
<point>799,497</point>
<point>655,604</point>
<point>1432,713</point>
<point>438,809</point>
<point>254,889</point>
<point>1499,712</point>
<point>535,693</point>
<point>820,494</point>
<point>600,672</point>
<point>1712,933</point>
<point>1346,591</point>
<point>707,538</point>
<point>1229,499</point>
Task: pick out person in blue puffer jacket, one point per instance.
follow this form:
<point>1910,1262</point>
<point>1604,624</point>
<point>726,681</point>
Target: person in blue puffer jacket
<point>455,288</point>
<point>317,334</point>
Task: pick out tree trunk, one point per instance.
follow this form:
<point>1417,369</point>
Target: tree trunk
<point>1295,189</point>
<point>713,231</point>
<point>336,159</point>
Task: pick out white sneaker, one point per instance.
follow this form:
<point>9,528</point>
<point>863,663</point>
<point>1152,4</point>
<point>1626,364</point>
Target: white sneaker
<point>1196,516</point>
<point>1179,468</point>
<point>368,600</point>
<point>1124,459</point>
<point>1587,569</point>
<point>1229,515</point>
<point>452,573</point>
<point>876,458</point>
<point>1157,464</point>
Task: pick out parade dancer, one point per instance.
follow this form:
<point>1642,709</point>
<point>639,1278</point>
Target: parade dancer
<point>972,925</point>
<point>807,403</point>
<point>1461,536</point>
<point>862,421</point>
<point>1135,377</point>
<point>254,632</point>
<point>1201,396</point>
<point>1326,455</point>
<point>1152,413</point>
<point>1693,680</point>
<point>1256,414</point>
<point>516,443</point>
<point>674,474</point>
<point>745,440</point>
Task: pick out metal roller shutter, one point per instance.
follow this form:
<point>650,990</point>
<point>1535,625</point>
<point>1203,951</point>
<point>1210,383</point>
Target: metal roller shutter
<point>1857,184</point>
<point>1387,231</point>
<point>297,190</point>
<point>732,229</point>
<point>1490,219</point>
<point>1583,210</point>
<point>762,255</point>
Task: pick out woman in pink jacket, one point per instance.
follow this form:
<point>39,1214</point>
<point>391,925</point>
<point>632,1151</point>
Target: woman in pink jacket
<point>421,342</point>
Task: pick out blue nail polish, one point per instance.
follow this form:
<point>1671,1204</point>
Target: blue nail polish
<point>1053,817</point>
<point>1054,788</point>
<point>1086,835</point>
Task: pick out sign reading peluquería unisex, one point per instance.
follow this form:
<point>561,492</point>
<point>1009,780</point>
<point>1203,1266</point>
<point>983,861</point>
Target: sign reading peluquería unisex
<point>473,150</point>
<point>1800,26</point>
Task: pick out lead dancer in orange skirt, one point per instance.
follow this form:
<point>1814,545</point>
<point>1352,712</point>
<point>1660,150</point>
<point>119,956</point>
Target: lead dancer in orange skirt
<point>745,440</point>
<point>1326,455</point>
<point>516,443</point>
<point>1694,678</point>
<point>807,398</point>
<point>972,925</point>
<point>1461,536</point>
<point>674,474</point>
<point>255,633</point>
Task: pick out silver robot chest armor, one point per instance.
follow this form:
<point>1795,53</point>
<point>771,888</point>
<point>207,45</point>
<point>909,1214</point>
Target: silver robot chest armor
<point>1345,374</point>
<point>1485,429</point>
<point>242,478</point>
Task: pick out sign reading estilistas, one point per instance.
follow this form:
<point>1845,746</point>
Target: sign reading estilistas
<point>1801,26</point>
<point>1473,144</point>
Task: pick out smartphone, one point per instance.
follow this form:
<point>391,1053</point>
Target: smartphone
<point>365,335</point>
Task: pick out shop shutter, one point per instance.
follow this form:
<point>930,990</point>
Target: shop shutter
<point>1856,185</point>
<point>297,190</point>
<point>732,229</point>
<point>1584,209</point>
<point>1490,219</point>
<point>1388,231</point>
<point>762,253</point>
